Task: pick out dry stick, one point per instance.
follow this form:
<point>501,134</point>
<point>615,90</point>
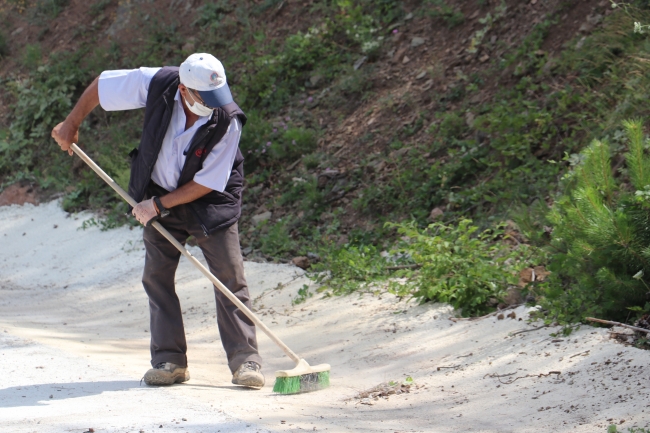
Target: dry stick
<point>529,330</point>
<point>451,366</point>
<point>521,377</point>
<point>223,289</point>
<point>609,322</point>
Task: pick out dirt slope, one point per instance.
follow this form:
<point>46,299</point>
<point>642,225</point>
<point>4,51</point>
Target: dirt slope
<point>423,60</point>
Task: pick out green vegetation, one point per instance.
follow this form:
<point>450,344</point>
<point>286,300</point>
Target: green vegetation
<point>452,264</point>
<point>464,148</point>
<point>614,429</point>
<point>601,237</point>
<point>439,9</point>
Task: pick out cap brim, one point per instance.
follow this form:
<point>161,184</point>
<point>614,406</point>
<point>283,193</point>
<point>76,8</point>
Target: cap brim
<point>216,98</point>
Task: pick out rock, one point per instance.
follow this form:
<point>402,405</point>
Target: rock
<point>379,166</point>
<point>417,41</point>
<point>398,54</point>
<point>549,66</point>
<point>484,58</point>
<point>409,16</point>
<point>541,273</point>
<point>17,194</point>
<point>325,177</point>
<point>426,86</point>
<point>436,214</point>
<point>469,119</point>
<point>315,79</point>
<point>246,251</point>
<point>123,16</point>
<point>405,60</point>
<point>421,75</point>
<point>360,61</point>
<point>256,188</point>
<point>512,315</point>
<point>513,296</point>
<point>17,31</point>
<point>500,316</point>
<point>526,276</point>
<point>302,262</point>
<point>261,217</point>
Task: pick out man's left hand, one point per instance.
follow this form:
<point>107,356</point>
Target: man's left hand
<point>145,212</point>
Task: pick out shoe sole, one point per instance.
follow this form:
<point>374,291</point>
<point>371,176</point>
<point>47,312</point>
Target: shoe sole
<point>251,382</point>
<point>154,378</point>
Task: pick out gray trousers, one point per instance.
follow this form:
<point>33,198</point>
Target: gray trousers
<point>222,253</point>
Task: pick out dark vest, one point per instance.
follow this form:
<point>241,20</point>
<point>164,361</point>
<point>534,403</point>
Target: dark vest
<point>215,210</point>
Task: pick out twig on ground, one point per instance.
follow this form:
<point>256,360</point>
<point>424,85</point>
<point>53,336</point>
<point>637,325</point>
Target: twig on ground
<point>510,307</point>
<point>609,322</point>
<point>585,353</point>
<point>520,377</point>
<point>465,356</point>
<point>529,330</point>
<point>450,366</point>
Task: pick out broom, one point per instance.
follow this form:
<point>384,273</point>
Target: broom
<point>303,377</point>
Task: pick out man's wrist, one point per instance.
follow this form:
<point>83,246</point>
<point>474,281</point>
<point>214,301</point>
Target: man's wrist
<point>164,202</point>
<point>160,208</point>
<point>73,122</point>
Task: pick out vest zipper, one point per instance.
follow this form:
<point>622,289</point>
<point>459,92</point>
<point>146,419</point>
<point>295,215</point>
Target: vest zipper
<point>198,219</point>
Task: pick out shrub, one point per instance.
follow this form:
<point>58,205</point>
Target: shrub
<point>601,235</point>
<point>453,264</point>
<point>457,265</point>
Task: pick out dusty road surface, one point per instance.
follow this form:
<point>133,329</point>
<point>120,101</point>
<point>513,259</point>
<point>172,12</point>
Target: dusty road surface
<point>74,345</point>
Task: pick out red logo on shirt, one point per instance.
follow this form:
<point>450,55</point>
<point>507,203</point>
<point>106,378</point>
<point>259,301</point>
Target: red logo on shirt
<point>199,152</point>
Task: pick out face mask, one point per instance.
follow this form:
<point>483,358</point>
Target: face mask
<point>198,109</point>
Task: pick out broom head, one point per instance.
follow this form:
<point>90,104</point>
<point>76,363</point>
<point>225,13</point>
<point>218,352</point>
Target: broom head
<point>302,378</point>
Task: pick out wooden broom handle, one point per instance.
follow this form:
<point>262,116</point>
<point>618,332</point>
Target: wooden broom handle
<point>218,284</point>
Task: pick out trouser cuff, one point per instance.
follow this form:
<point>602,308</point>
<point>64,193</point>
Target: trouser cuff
<point>175,358</point>
<point>243,357</point>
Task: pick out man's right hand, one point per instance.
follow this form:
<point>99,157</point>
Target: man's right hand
<point>65,134</point>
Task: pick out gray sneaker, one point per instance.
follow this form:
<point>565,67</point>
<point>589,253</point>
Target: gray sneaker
<point>166,373</point>
<point>248,374</point>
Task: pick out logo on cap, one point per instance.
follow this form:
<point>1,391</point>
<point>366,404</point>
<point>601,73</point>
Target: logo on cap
<point>214,77</point>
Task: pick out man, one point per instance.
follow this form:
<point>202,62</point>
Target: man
<point>188,173</point>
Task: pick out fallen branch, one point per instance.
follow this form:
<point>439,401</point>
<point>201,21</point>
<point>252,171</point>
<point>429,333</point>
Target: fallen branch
<point>609,322</point>
<point>529,330</point>
<point>451,366</point>
<point>585,353</point>
<point>497,376</point>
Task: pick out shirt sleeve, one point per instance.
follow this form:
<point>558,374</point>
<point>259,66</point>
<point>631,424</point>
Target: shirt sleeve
<point>125,89</point>
<point>218,164</point>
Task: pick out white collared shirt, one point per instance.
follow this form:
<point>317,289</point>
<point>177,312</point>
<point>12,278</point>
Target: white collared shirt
<point>127,89</point>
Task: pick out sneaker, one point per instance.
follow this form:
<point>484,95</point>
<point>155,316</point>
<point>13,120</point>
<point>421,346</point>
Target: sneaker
<point>248,374</point>
<point>166,373</point>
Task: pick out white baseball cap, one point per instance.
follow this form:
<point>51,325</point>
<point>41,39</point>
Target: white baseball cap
<point>205,74</point>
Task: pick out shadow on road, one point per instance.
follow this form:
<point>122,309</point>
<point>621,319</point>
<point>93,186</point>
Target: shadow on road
<point>34,395</point>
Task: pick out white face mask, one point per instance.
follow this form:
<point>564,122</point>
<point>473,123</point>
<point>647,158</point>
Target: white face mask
<point>198,109</point>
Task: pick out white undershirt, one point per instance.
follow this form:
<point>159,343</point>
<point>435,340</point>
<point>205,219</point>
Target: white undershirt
<point>127,89</point>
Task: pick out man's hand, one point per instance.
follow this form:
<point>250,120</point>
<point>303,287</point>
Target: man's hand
<point>65,134</point>
<point>146,212</point>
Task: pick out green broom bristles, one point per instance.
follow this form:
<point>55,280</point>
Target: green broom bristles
<point>305,383</point>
